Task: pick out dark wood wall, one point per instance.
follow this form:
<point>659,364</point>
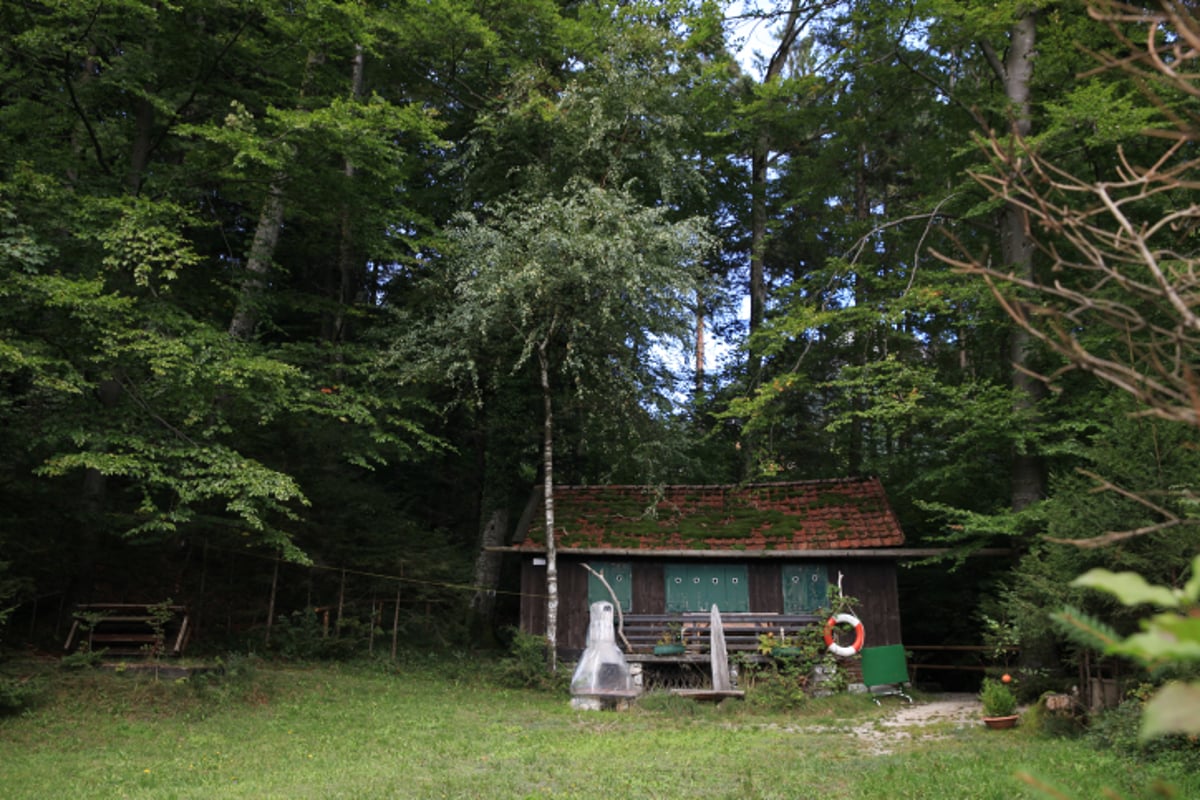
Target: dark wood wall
<point>871,581</point>
<point>873,584</point>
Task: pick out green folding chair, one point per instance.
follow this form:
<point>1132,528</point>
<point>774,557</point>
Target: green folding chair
<point>885,671</point>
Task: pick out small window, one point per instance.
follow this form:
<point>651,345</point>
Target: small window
<point>805,588</point>
<point>619,577</point>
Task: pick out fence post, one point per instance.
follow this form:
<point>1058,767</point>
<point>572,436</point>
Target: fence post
<point>271,604</point>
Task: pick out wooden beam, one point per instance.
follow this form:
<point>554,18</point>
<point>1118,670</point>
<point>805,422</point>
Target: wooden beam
<point>898,553</point>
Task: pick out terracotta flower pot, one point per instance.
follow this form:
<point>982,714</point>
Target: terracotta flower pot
<point>1001,722</point>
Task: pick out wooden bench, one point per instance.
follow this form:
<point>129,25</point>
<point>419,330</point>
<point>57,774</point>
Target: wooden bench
<point>130,629</point>
<point>742,629</point>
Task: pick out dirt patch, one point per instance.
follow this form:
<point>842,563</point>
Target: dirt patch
<point>926,720</point>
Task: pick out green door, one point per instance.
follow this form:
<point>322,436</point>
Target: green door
<point>805,588</point>
<point>697,587</point>
<point>619,577</point>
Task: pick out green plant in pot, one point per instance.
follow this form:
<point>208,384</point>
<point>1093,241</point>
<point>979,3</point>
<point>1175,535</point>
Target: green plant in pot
<point>999,703</point>
<point>781,646</point>
<point>671,642</point>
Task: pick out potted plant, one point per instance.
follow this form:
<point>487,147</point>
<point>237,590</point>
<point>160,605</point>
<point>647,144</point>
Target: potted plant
<point>999,703</point>
<point>781,646</point>
<point>671,642</point>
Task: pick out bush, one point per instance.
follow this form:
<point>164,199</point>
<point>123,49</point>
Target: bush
<point>788,682</point>
<point>233,680</point>
<point>526,665</point>
<point>17,694</point>
<point>301,636</point>
<point>1119,730</point>
<point>83,658</point>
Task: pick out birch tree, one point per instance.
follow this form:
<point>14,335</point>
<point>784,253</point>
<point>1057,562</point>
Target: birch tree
<point>586,285</point>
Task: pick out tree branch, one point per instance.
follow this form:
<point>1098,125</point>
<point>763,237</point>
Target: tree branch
<point>616,605</point>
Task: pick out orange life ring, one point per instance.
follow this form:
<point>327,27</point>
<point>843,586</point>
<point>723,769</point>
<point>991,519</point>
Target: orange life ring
<point>860,635</point>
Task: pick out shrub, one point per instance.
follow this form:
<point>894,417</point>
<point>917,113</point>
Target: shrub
<point>1119,730</point>
<point>525,667</point>
<point>83,658</point>
<point>779,688</point>
<point>17,694</point>
<point>302,636</point>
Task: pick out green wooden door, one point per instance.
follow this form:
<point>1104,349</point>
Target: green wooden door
<point>619,577</point>
<point>697,587</point>
<point>805,588</point>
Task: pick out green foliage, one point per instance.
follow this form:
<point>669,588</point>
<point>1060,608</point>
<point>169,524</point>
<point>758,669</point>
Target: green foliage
<point>18,694</point>
<point>802,666</point>
<point>782,687</point>
<point>997,698</point>
<point>83,658</point>
<point>1170,638</point>
<point>303,636</point>
<point>591,272</point>
<point>1121,729</point>
<point>525,665</point>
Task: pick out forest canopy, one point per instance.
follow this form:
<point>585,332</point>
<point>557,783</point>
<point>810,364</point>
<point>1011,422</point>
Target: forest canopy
<point>306,283</point>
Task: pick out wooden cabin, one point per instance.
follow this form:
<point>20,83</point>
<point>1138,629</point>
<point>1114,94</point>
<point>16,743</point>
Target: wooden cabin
<point>764,553</point>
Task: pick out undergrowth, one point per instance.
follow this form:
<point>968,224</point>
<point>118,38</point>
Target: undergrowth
<point>1118,730</point>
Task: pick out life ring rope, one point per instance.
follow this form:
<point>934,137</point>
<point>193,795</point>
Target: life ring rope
<point>860,635</point>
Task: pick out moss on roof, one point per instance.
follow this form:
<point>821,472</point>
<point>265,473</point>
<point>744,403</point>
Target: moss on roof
<point>839,513</point>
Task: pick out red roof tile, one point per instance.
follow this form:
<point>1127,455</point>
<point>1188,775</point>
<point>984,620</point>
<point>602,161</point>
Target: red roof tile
<point>844,513</point>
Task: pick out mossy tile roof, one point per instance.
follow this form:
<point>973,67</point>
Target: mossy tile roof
<point>844,513</point>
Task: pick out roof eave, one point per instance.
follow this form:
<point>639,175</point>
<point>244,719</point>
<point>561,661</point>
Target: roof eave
<point>859,552</point>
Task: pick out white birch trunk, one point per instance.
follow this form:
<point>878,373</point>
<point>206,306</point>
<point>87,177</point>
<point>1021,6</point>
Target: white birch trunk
<point>548,500</point>
<point>258,263</point>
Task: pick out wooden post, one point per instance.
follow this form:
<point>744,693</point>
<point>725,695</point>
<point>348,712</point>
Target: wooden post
<point>371,626</point>
<point>271,604</point>
<point>198,614</point>
<point>337,627</point>
<point>229,593</point>
<point>396,623</point>
<point>62,604</point>
<point>717,652</point>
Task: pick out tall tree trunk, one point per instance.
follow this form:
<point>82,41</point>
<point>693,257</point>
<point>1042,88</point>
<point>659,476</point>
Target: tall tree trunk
<point>258,263</point>
<point>699,382</point>
<point>548,502</point>
<point>94,501</point>
<point>760,161</point>
<point>348,269</point>
<point>758,241</point>
<point>139,155</point>
<point>266,237</point>
<point>1016,249</point>
<point>481,623</point>
<point>862,298</point>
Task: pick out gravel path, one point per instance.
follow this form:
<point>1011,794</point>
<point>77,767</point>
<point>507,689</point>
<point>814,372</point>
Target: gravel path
<point>920,720</point>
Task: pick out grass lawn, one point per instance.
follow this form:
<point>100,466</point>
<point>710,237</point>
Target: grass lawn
<point>446,731</point>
